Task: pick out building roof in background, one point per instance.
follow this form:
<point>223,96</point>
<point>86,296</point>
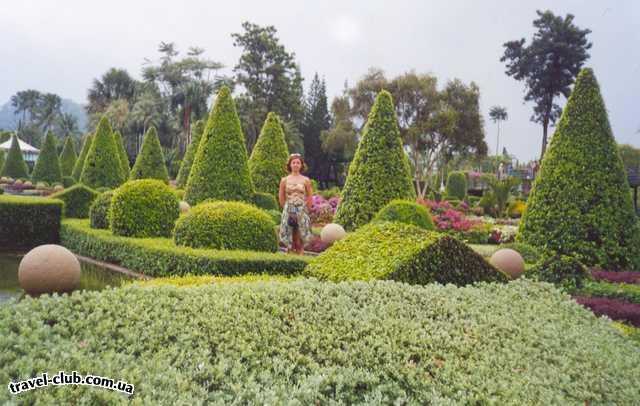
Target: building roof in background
<point>24,147</point>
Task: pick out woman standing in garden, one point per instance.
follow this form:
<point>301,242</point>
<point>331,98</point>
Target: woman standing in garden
<point>295,199</point>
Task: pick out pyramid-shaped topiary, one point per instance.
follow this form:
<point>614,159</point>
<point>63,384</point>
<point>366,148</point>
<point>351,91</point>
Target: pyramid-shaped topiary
<point>102,167</point>
<point>79,165</point>
<point>14,165</point>
<point>150,161</point>
<point>220,169</point>
<point>269,157</point>
<point>1,160</point>
<point>47,167</point>
<point>187,162</point>
<point>379,171</point>
<point>122,153</point>
<point>68,157</point>
<point>580,203</point>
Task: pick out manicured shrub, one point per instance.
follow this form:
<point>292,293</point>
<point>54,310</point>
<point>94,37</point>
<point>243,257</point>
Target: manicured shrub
<point>187,162</point>
<point>14,165</point>
<point>144,208</point>
<point>150,161</point>
<point>488,202</point>
<point>77,200</point>
<point>47,167</point>
<point>226,225</point>
<point>379,171</point>
<point>68,157</point>
<point>102,167</point>
<point>613,308</point>
<point>179,193</point>
<point>99,211</point>
<point>161,257</point>
<point>307,342</point>
<point>276,216</point>
<point>456,185</point>
<point>27,222</point>
<point>616,277</point>
<point>529,253</point>
<point>269,157</point>
<point>405,211</point>
<point>622,291</point>
<point>562,270</point>
<point>580,204</point>
<point>122,153</point>
<point>1,160</point>
<point>79,165</point>
<point>220,169</point>
<point>68,181</point>
<point>404,253</point>
<point>265,201</point>
<point>200,280</point>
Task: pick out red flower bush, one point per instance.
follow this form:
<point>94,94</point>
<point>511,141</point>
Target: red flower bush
<point>616,277</point>
<point>612,308</point>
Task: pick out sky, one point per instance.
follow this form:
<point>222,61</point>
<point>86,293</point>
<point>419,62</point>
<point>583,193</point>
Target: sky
<point>62,46</point>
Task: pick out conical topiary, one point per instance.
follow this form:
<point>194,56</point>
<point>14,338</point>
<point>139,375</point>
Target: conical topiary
<point>14,165</point>
<point>1,160</point>
<point>47,167</point>
<point>122,153</point>
<point>580,203</point>
<point>68,157</point>
<point>102,167</point>
<point>77,168</point>
<point>379,171</point>
<point>269,157</point>
<point>150,161</point>
<point>220,169</point>
<point>187,162</point>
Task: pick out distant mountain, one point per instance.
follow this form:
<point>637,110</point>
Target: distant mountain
<point>9,120</point>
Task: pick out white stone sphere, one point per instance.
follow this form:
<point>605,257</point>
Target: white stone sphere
<point>508,261</point>
<point>331,233</point>
<point>184,207</point>
<point>49,268</point>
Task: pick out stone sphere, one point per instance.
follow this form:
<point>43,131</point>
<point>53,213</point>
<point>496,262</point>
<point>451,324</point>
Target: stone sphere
<point>49,268</point>
<point>508,261</point>
<point>331,233</point>
<point>184,206</point>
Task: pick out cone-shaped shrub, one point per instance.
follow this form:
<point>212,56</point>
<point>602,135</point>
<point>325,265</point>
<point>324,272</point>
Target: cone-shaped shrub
<point>79,165</point>
<point>187,162</point>
<point>122,153</point>
<point>47,167</point>
<point>456,185</point>
<point>379,171</point>
<point>269,157</point>
<point>580,203</point>
<point>14,165</point>
<point>150,161</point>
<point>68,157</point>
<point>1,160</point>
<point>220,169</point>
<point>102,167</point>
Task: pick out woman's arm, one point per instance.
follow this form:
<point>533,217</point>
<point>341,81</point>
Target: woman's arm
<point>282,192</point>
<point>309,193</point>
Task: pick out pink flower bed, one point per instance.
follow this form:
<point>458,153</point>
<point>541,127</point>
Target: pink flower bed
<point>323,210</point>
<point>612,308</point>
<point>616,277</point>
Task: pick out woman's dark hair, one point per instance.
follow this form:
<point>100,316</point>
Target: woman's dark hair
<point>298,157</point>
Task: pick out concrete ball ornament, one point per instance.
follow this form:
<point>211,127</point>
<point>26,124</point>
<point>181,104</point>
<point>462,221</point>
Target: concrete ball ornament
<point>331,233</point>
<point>508,261</point>
<point>47,269</point>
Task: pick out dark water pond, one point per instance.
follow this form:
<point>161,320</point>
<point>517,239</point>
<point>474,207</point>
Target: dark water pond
<point>92,277</point>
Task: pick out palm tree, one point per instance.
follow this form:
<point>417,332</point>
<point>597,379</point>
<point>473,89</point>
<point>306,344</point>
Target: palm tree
<point>501,189</point>
<point>497,115</point>
<point>49,109</point>
<point>68,124</point>
<point>26,103</point>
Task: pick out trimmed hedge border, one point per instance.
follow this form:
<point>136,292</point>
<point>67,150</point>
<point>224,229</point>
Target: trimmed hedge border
<point>26,222</point>
<point>161,257</point>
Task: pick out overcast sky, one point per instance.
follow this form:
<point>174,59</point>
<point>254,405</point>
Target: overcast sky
<point>61,46</point>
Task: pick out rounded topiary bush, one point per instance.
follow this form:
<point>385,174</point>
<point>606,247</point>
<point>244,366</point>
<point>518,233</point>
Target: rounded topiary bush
<point>405,211</point>
<point>456,185</point>
<point>144,208</point>
<point>226,225</point>
<point>265,201</point>
<point>99,210</point>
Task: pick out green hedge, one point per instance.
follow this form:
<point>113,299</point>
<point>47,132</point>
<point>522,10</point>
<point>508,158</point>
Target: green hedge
<point>456,185</point>
<point>380,170</point>
<point>529,253</point>
<point>580,203</point>
<point>306,342</point>
<point>68,158</point>
<point>562,270</point>
<point>404,253</point>
<point>150,161</point>
<point>265,201</point>
<point>47,167</point>
<point>68,181</point>
<point>226,225</point>
<point>625,291</point>
<point>269,157</point>
<point>26,222</point>
<point>99,211</point>
<point>405,211</point>
<point>144,208</point>
<point>77,200</point>
<point>161,257</point>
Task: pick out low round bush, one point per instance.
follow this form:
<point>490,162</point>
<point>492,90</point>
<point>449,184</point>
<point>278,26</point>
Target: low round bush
<point>276,216</point>
<point>562,270</point>
<point>226,225</point>
<point>144,208</point>
<point>265,201</point>
<point>406,211</point>
<point>99,211</point>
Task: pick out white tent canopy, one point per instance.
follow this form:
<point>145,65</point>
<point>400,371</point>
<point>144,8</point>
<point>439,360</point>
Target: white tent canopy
<point>29,153</point>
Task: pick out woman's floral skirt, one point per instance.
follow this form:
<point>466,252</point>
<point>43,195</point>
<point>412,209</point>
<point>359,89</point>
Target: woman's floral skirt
<point>304,224</point>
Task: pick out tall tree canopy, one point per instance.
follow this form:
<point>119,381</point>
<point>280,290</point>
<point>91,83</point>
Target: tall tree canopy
<point>316,120</point>
<point>548,65</point>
